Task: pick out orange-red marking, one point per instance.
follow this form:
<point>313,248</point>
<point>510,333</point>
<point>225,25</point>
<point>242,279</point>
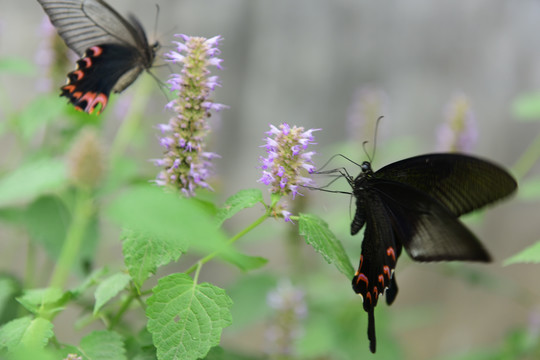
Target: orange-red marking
<point>390,252</point>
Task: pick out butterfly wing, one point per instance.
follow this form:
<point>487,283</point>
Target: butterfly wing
<point>380,250</point>
<point>85,23</point>
<point>114,50</point>
<point>460,182</point>
<point>427,229</point>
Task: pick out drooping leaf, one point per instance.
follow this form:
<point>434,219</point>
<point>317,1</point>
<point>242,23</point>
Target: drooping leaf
<point>109,288</point>
<point>186,319</point>
<point>241,200</point>
<point>44,301</point>
<point>317,234</point>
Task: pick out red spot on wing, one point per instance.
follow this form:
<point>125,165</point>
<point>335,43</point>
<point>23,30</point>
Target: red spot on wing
<point>79,74</point>
<point>390,252</point>
<point>381,279</point>
<point>69,88</point>
<point>86,61</point>
<point>386,270</point>
<point>363,278</point>
<point>96,51</point>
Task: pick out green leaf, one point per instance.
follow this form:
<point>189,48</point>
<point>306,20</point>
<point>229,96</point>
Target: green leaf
<point>109,288</point>
<point>103,345</point>
<point>528,255</point>
<point>317,234</point>
<point>143,254</point>
<point>247,262</point>
<point>44,301</point>
<point>43,110</point>
<point>17,66</point>
<point>9,289</point>
<point>25,332</point>
<point>31,180</point>
<point>527,107</point>
<point>529,189</point>
<point>241,200</point>
<point>47,219</point>
<point>169,217</point>
<point>186,319</point>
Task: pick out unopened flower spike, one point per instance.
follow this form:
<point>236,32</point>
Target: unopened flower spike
<point>287,161</point>
<point>459,131</point>
<point>187,165</point>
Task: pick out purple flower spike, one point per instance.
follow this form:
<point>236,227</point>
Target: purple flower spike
<point>287,159</point>
<point>187,164</point>
<point>459,132</point>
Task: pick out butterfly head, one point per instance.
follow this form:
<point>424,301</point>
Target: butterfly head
<point>366,168</point>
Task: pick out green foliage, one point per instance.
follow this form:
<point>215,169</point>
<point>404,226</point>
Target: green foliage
<point>109,288</point>
<point>186,319</point>
<point>528,255</point>
<point>526,107</point>
<point>317,234</point>
<point>241,200</point>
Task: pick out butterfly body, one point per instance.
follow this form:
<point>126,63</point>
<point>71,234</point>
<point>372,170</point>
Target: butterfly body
<point>415,204</point>
<point>113,50</point>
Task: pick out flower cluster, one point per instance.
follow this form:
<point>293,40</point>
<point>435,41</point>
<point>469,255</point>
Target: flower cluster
<point>287,158</point>
<point>459,132</point>
<point>289,305</point>
<point>187,165</point>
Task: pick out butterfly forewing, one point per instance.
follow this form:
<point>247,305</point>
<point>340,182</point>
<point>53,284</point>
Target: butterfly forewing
<point>461,183</point>
<point>85,23</point>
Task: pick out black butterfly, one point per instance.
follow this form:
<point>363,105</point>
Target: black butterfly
<point>113,50</point>
<point>415,203</point>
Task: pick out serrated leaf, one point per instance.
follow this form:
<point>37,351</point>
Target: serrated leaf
<point>25,332</point>
<point>169,217</point>
<point>241,200</point>
<point>144,253</point>
<point>103,345</point>
<point>109,288</point>
<point>317,234</point>
<point>186,319</point>
<point>44,301</point>
<point>527,107</point>
<point>528,255</point>
<point>31,180</point>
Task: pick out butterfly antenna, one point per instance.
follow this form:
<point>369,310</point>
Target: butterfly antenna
<point>375,137</point>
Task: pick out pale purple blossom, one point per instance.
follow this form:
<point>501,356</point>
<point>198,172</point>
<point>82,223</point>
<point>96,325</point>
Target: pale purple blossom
<point>187,164</point>
<point>459,132</point>
<point>286,159</point>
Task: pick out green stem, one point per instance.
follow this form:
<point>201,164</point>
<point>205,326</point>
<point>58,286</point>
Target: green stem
<point>131,122</point>
<point>125,306</point>
<point>207,258</point>
<point>527,159</point>
<point>82,214</point>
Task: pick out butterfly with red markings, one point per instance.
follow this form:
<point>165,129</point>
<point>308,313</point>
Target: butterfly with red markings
<point>415,203</point>
<point>113,50</point>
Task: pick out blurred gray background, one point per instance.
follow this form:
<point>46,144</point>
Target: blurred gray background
<point>302,61</point>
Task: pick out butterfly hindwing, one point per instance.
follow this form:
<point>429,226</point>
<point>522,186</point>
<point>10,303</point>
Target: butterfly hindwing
<point>461,183</point>
<point>86,88</point>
